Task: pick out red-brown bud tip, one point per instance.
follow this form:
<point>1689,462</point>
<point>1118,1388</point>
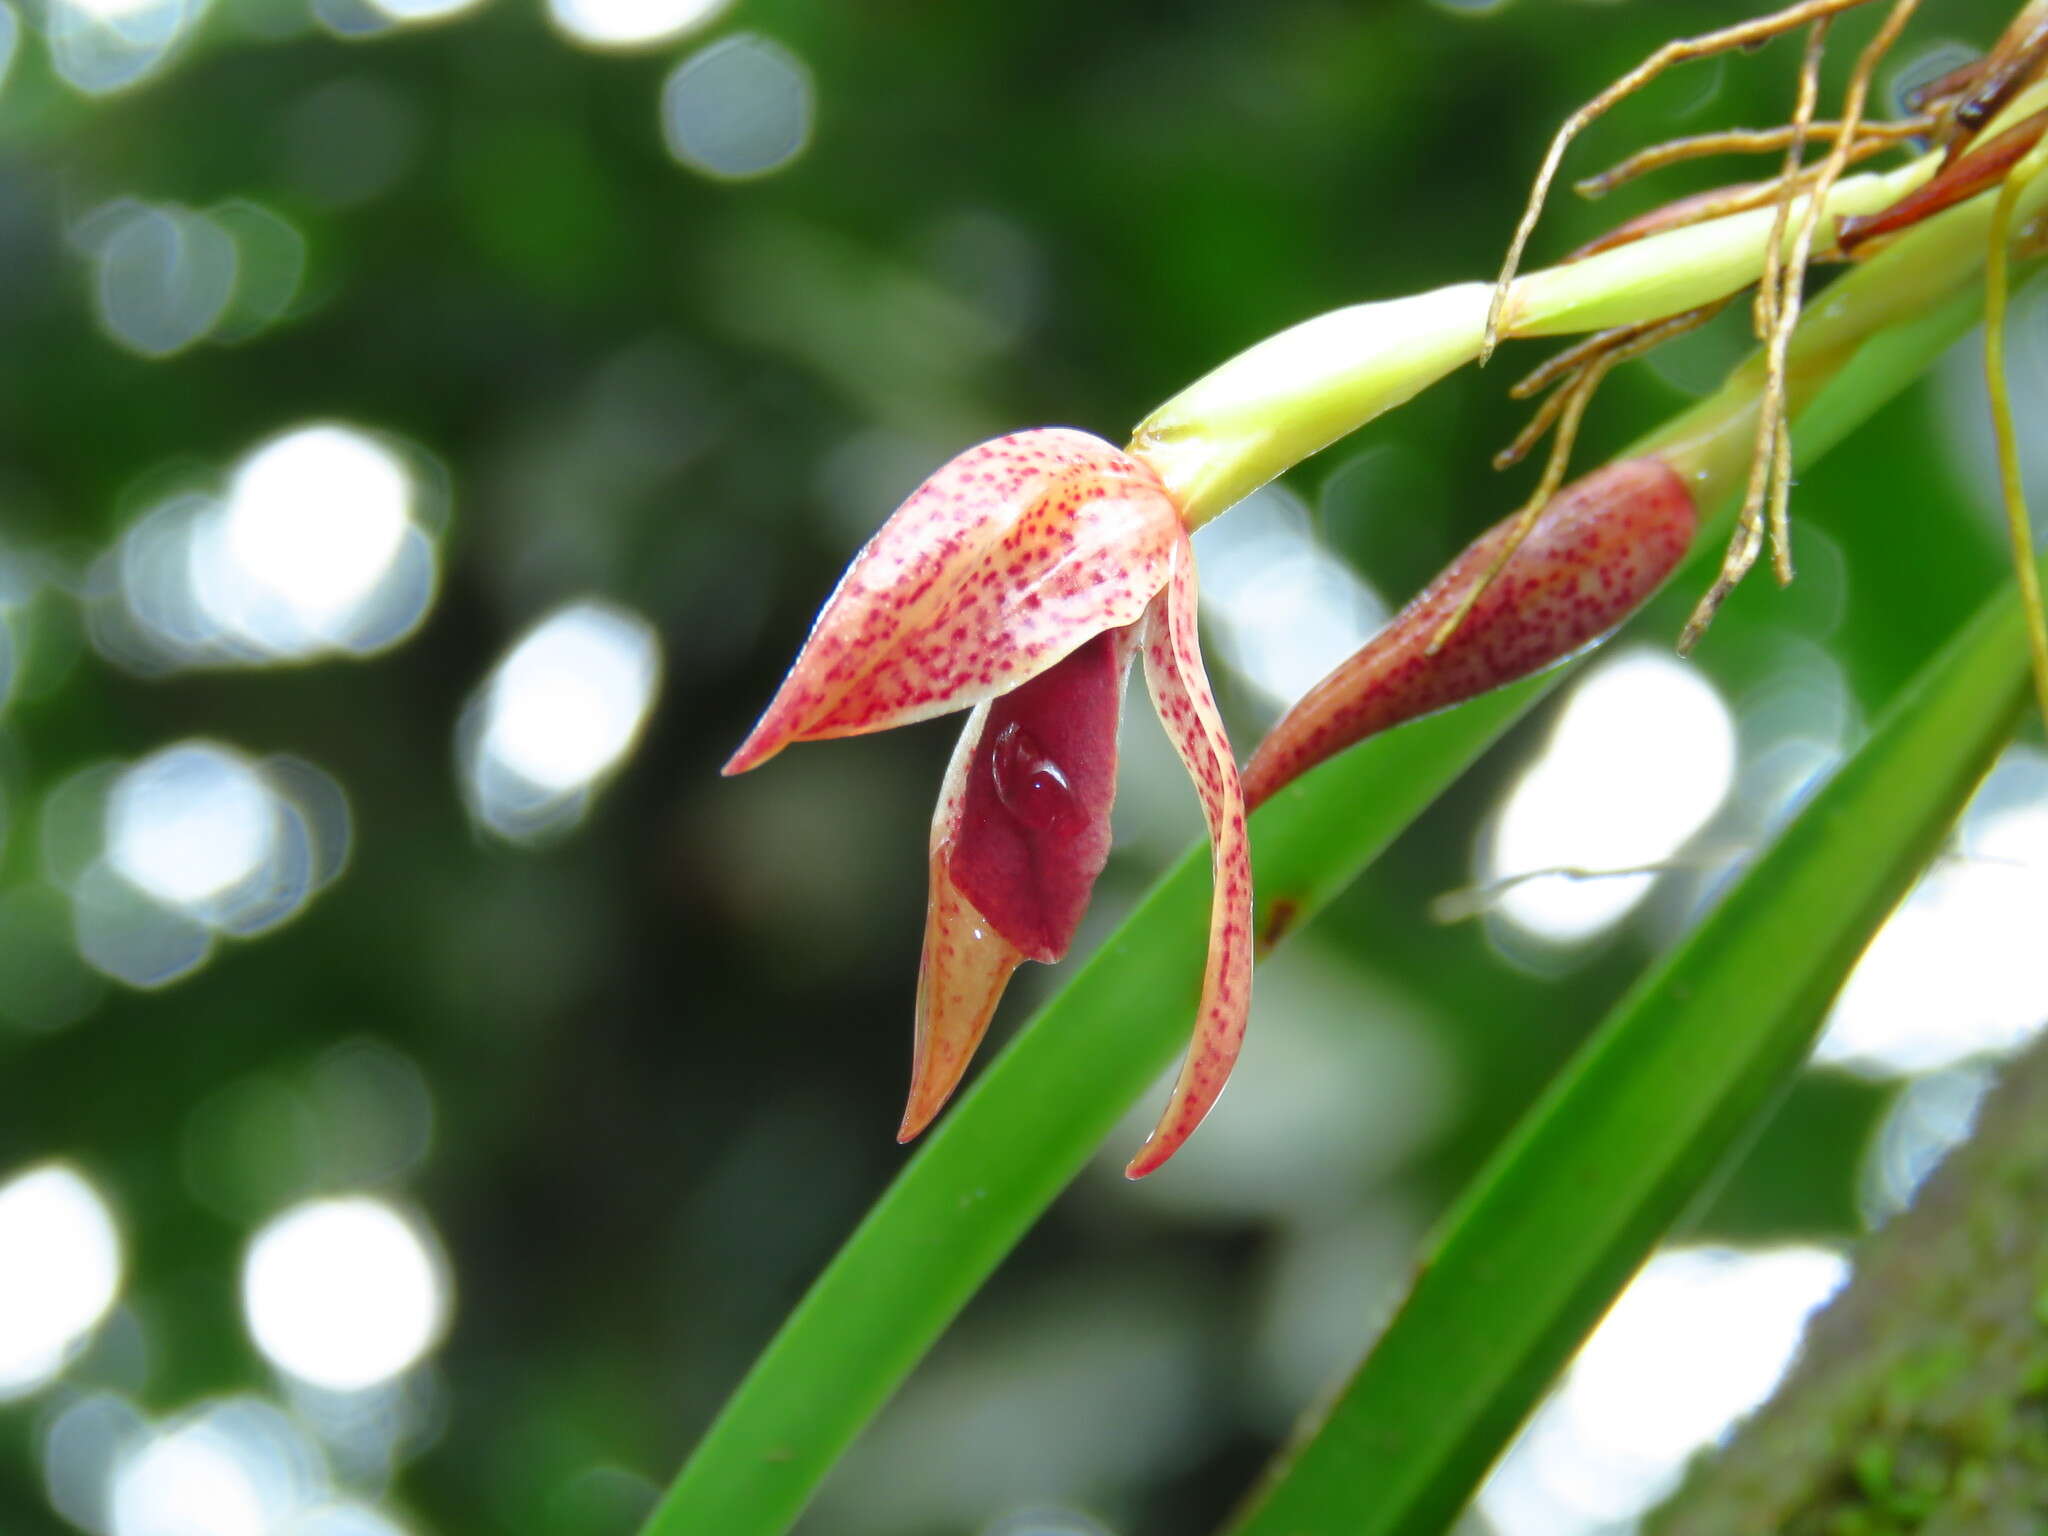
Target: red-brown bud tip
<point>1597,552</point>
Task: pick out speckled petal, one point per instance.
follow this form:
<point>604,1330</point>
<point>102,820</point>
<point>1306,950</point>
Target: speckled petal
<point>1598,551</point>
<point>965,966</point>
<point>1004,561</point>
<point>1180,692</point>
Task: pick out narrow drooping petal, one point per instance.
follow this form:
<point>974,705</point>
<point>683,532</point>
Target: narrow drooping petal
<point>1021,832</point>
<point>1180,692</point>
<point>1596,554</point>
<point>1000,564</point>
<point>965,965</point>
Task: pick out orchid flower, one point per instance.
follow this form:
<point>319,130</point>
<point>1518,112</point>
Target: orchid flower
<point>1021,580</point>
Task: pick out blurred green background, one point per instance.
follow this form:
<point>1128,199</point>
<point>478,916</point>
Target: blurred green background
<point>427,431</point>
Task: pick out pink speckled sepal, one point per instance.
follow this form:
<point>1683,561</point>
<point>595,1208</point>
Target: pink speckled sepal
<point>1597,552</point>
<point>965,964</point>
<point>1180,692</point>
<point>1004,561</point>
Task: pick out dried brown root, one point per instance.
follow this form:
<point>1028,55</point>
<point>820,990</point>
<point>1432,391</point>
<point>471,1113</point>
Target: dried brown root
<point>1769,288</point>
<point>1871,139</point>
<point>1610,348</point>
<point>1565,410</point>
<point>1716,203</point>
<point>1767,496</point>
<point>1683,50</point>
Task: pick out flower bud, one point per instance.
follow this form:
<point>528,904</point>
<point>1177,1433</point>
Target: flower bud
<point>1596,553</point>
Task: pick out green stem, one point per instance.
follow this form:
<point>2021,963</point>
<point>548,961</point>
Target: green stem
<point>1292,395</point>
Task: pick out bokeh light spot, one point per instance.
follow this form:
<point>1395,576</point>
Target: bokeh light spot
<point>314,521</point>
<point>632,23</point>
<point>82,1445</point>
<point>190,823</point>
<point>1640,758</point>
<point>239,1467</point>
<point>408,11</point>
<point>316,550</point>
<point>101,46</point>
<point>1285,609</point>
<point>1955,971</point>
<point>739,108</point>
<point>270,262</point>
<point>351,140</point>
<point>345,1519</point>
<point>195,840</point>
<point>162,274</point>
<point>61,1272</point>
<point>560,712</point>
<point>1930,1117</point>
<point>1046,1522</point>
<point>344,1293</point>
<point>1700,1337</point>
<point>124,933</point>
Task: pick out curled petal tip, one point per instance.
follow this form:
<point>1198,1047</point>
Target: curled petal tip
<point>1596,553</point>
<point>966,966</point>
<point>751,753</point>
<point>1180,691</point>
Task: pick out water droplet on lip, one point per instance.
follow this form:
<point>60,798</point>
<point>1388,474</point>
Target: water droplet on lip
<point>1031,786</point>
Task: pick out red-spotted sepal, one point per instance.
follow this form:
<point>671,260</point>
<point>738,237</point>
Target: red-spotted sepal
<point>1003,562</point>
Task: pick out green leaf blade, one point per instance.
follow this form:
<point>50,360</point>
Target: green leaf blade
<point>1031,1122</point>
<point>1573,1202</point>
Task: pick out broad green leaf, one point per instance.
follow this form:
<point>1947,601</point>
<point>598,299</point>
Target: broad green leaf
<point>1036,1115</point>
<point>1572,1203</point>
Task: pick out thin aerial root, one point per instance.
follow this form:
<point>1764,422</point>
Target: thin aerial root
<point>1742,552</point>
<point>1678,51</point>
<point>1744,141</point>
<point>1770,472</point>
<point>1470,901</point>
<point>1575,396</point>
<point>1769,288</point>
<point>1997,291</point>
<point>1570,360</point>
<point>1749,525</point>
<point>1781,503</point>
<point>1777,301</point>
<point>1542,421</point>
<point>1715,204</point>
<point>1789,299</point>
<point>1606,348</point>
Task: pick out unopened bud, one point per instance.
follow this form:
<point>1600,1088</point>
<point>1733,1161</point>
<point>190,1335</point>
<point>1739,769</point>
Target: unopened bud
<point>1595,554</point>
